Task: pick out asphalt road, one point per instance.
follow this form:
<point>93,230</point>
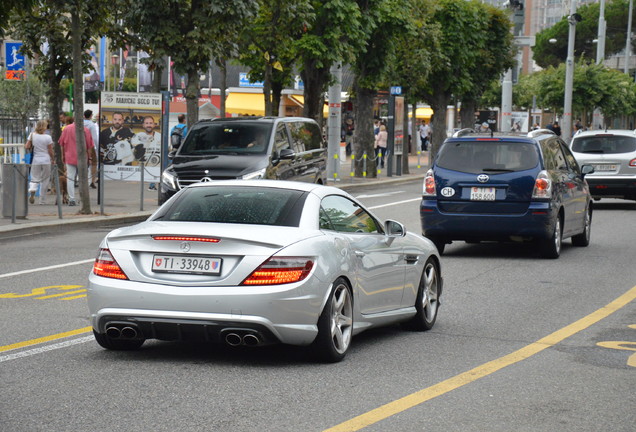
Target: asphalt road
<point>521,343</point>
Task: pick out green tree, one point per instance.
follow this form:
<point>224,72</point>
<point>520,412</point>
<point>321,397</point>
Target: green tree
<point>22,99</point>
<point>384,21</point>
<point>334,35</point>
<point>190,32</point>
<point>616,14</point>
<point>496,55</point>
<point>464,28</point>
<point>268,49</point>
<point>66,29</point>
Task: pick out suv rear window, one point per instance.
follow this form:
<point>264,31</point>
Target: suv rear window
<point>487,156</point>
<point>604,144</point>
<point>236,137</point>
<point>237,205</point>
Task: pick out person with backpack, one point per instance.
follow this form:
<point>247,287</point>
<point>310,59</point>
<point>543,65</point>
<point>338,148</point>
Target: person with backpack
<point>178,132</point>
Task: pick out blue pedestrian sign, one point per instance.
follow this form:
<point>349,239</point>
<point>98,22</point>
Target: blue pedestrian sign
<point>14,60</point>
<point>396,90</point>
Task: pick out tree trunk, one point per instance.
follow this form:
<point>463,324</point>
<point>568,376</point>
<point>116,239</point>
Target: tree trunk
<point>363,137</point>
<point>315,80</point>
<point>267,89</point>
<point>223,66</point>
<point>467,114</point>
<point>192,96</point>
<point>277,89</point>
<point>439,102</point>
<point>156,79</point>
<point>78,106</point>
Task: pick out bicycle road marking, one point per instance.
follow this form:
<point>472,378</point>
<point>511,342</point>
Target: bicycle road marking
<point>18,273</point>
<point>400,405</point>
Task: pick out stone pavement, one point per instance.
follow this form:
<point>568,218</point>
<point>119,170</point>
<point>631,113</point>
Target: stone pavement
<point>125,204</point>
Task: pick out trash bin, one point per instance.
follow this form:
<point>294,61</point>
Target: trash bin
<point>15,181</point>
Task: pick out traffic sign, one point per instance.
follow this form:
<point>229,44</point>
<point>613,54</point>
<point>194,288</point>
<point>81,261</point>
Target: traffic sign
<point>396,90</point>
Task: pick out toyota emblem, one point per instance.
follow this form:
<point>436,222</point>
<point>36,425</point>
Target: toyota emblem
<point>206,180</point>
<point>482,178</point>
<point>185,247</point>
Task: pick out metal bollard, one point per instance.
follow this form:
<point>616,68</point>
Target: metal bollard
<point>336,165</point>
<point>58,193</point>
<point>364,165</point>
<point>353,161</point>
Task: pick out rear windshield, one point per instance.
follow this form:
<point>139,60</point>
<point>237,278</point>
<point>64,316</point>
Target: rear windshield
<point>487,156</point>
<point>604,144</point>
<point>236,205</point>
<point>235,137</point>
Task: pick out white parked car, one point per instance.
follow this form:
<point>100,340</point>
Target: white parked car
<point>254,262</point>
<point>612,153</point>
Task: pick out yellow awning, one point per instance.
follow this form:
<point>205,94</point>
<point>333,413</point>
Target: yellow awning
<point>245,103</point>
<point>422,113</point>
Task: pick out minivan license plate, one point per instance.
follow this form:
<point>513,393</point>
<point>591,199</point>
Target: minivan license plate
<point>482,194</point>
<point>189,264</point>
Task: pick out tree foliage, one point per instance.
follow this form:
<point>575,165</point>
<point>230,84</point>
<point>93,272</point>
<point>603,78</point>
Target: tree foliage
<point>547,54</point>
<point>190,32</point>
<point>21,99</point>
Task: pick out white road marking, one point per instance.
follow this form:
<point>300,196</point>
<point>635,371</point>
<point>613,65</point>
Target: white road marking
<point>394,203</point>
<point>6,275</point>
<point>46,348</point>
<point>379,195</point>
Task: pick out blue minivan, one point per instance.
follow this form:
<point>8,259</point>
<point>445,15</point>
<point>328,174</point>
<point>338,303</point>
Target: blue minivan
<point>486,187</point>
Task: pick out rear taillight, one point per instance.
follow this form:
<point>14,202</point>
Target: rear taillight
<point>542,186</point>
<point>632,163</point>
<point>106,266</point>
<point>280,270</point>
<point>429,184</point>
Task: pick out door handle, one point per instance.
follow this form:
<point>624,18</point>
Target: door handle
<point>359,254</point>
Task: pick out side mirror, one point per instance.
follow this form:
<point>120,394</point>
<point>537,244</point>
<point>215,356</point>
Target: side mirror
<point>287,154</point>
<point>394,228</point>
<point>587,169</point>
<point>171,154</point>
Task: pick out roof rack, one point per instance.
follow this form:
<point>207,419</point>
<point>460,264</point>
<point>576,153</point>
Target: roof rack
<point>462,132</point>
<point>538,132</point>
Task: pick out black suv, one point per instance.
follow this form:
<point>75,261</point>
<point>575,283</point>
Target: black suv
<point>285,148</point>
<point>507,188</point>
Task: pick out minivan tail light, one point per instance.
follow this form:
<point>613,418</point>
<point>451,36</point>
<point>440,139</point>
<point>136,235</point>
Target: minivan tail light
<point>632,163</point>
<point>429,184</point>
<point>280,270</point>
<point>542,186</point>
<point>106,266</point>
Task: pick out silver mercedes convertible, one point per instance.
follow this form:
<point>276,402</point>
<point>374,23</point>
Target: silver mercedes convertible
<point>258,262</point>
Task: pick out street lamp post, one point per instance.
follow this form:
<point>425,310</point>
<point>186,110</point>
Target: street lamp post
<point>566,128</point>
<point>598,119</point>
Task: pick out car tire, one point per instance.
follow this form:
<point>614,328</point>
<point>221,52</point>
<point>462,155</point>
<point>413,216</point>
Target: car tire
<point>439,242</point>
<point>427,301</point>
<point>551,247</point>
<point>117,344</point>
<point>583,239</point>
<point>335,325</point>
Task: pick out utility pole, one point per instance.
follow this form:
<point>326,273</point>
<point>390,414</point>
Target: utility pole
<point>334,123</point>
<point>628,44</point>
<point>598,120</point>
<point>566,128</point>
<point>516,8</point>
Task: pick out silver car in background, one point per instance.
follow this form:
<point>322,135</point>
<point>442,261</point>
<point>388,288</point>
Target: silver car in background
<point>612,153</point>
<point>255,262</point>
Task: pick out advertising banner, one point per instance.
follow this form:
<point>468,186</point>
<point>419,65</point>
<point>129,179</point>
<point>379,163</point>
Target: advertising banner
<point>129,135</point>
<point>520,121</point>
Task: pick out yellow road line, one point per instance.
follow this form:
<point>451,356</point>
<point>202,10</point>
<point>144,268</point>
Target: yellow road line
<point>45,339</point>
<point>417,398</point>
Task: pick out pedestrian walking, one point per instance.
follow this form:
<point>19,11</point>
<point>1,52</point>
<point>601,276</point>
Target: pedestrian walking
<point>69,156</point>
<point>92,127</point>
<point>425,132</point>
<point>380,145</point>
<point>41,145</point>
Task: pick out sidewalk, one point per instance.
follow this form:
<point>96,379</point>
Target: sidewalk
<point>123,203</point>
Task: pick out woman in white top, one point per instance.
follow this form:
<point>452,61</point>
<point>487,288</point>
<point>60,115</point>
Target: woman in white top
<point>42,145</point>
<point>380,145</point>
